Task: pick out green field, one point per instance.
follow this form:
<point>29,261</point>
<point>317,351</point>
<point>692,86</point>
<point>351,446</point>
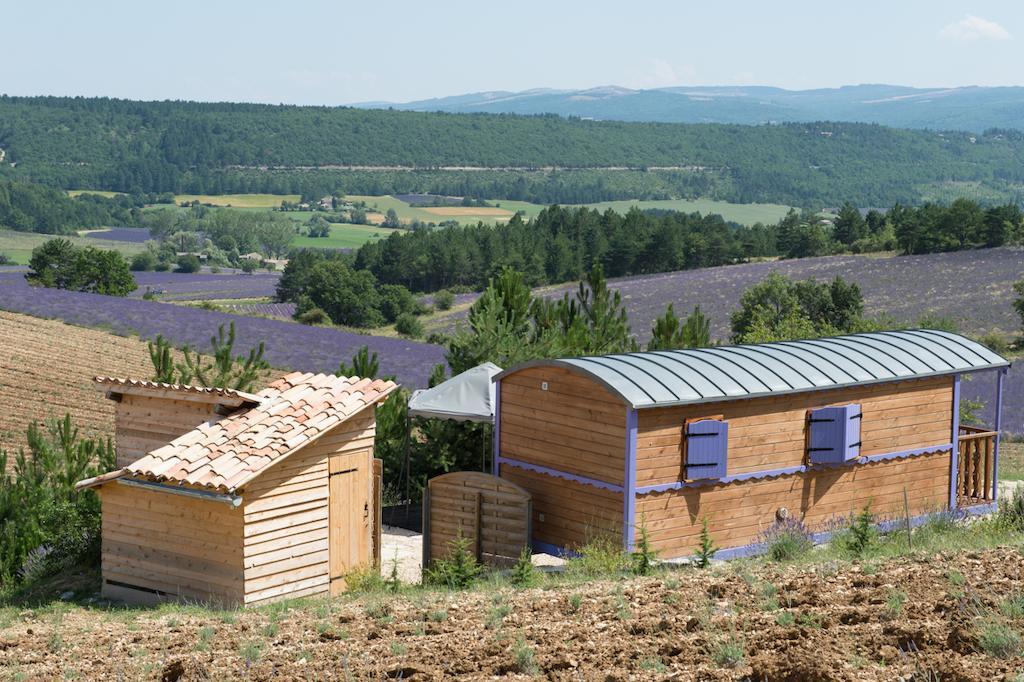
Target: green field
<point>344,236</point>
<point>239,200</point>
<point>18,245</point>
<point>745,214</point>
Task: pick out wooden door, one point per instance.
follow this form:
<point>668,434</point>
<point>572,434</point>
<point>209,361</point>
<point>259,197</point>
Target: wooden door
<point>349,517</point>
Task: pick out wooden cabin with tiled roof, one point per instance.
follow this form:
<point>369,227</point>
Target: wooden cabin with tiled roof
<point>236,498</point>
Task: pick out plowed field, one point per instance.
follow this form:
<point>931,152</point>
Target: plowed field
<point>46,370</point>
<point>925,618</point>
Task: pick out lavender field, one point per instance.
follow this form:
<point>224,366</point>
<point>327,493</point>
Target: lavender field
<point>201,286</point>
<point>284,311</point>
<point>135,235</point>
<point>972,287</point>
<point>288,345</point>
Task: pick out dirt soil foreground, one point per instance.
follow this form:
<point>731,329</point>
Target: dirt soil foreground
<point>908,619</point>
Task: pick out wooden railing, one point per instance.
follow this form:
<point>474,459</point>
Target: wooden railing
<point>976,472</point>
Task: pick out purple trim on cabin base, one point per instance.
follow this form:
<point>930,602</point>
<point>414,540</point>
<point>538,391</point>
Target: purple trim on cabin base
<point>997,426</point>
<point>496,431</point>
<point>775,473</point>
<point>560,474</point>
<point>890,525</point>
<point>954,460</point>
<point>629,501</point>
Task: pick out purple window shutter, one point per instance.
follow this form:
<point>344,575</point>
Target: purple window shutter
<point>853,419</point>
<point>834,434</point>
<point>707,443</point>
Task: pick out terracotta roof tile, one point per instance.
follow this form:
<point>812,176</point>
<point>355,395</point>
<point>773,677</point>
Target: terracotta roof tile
<point>146,386</point>
<point>285,416</point>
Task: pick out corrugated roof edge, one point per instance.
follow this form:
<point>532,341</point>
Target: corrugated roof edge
<point>569,364</point>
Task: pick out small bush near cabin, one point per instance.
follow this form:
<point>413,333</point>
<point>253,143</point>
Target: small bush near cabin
<point>787,540</point>
<point>524,573</point>
<point>602,555</point>
<point>706,550</point>
<point>45,525</point>
<point>861,535</point>
<point>456,571</point>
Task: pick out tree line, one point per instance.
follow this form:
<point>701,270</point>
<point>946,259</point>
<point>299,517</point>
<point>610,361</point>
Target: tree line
<point>221,147</point>
<point>31,207</point>
<point>561,244</point>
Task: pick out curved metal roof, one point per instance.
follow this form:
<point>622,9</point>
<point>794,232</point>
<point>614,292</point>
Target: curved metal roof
<point>700,375</point>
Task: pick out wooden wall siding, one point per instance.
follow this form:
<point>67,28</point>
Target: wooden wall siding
<point>567,513</point>
<point>144,424</point>
<point>770,433</point>
<point>184,547</point>
<point>739,512</point>
<point>286,532</point>
<point>492,513</point>
<point>575,426</point>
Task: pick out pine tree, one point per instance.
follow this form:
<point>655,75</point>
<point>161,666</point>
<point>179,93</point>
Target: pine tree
<point>707,548</point>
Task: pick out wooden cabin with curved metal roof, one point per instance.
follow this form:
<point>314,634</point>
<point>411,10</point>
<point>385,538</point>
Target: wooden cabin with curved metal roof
<point>744,436</point>
<point>237,498</point>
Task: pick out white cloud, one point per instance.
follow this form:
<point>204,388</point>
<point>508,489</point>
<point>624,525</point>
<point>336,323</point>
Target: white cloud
<point>972,28</point>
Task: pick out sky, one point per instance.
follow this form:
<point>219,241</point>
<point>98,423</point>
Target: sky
<point>332,53</point>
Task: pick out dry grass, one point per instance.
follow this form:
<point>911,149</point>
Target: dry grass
<point>1011,460</point>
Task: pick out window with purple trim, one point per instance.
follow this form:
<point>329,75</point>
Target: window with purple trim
<point>707,445</point>
<point>833,434</point>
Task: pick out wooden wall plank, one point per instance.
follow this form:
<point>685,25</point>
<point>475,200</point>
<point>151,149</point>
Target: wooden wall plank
<point>770,432</point>
<point>739,512</point>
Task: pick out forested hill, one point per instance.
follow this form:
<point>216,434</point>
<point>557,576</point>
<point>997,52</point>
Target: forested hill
<point>123,145</point>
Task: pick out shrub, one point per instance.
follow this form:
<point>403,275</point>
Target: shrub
<point>396,300</point>
<point>706,551</point>
<point>316,317</point>
<point>999,640</point>
<point>365,580</point>
<point>644,555</point>
<point>456,571</point>
<point>602,555</point>
<point>45,525</point>
<point>1011,511</point>
<point>525,660</point>
<point>787,540</point>
<point>524,573</point>
<point>143,261</point>
<point>444,300</point>
<point>728,652</point>
<point>995,342</point>
<point>248,265</point>
<point>1013,606</point>
<point>409,325</point>
<point>188,263</point>
<point>162,266</point>
<point>861,534</point>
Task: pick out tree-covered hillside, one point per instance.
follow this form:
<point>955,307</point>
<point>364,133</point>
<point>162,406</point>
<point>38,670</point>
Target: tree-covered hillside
<point>131,146</point>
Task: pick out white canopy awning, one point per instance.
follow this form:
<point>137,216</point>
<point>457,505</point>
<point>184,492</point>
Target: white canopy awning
<point>465,397</point>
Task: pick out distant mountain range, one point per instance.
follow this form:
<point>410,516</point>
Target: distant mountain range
<point>965,108</point>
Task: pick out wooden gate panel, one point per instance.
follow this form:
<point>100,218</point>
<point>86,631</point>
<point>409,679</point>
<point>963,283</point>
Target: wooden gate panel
<point>493,514</point>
